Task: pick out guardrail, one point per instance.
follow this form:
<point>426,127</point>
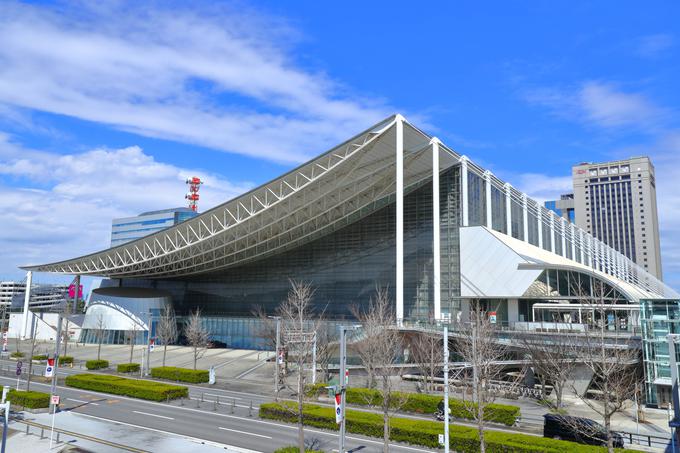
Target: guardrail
<point>645,440</point>
<point>32,428</point>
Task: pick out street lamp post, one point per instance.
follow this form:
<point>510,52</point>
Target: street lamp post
<point>446,388</point>
<point>276,355</point>
<point>343,382</point>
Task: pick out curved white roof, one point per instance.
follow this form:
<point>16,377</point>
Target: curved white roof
<point>340,186</point>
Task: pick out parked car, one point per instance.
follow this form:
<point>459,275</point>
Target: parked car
<point>213,344</point>
<point>578,429</point>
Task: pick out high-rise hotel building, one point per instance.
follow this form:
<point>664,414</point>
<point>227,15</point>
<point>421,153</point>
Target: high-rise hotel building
<point>616,203</point>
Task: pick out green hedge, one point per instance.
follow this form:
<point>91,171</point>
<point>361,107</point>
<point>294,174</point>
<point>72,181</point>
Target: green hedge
<point>17,355</point>
<point>66,360</point>
<point>96,364</point>
<point>180,374</point>
<point>127,367</point>
<point>426,404</point>
<point>30,400</point>
<point>147,390</point>
<point>421,432</point>
<point>40,357</point>
<point>294,449</point>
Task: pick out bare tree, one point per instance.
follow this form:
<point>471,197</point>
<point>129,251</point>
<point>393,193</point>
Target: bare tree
<point>477,344</point>
<point>553,362</point>
<point>197,335</point>
<point>99,332</point>
<point>427,350</point>
<point>131,339</point>
<point>267,327</point>
<point>166,331</point>
<point>299,324</point>
<point>326,349</point>
<point>611,358</point>
<point>380,348</point>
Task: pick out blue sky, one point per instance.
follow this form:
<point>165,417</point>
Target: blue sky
<point>104,110</point>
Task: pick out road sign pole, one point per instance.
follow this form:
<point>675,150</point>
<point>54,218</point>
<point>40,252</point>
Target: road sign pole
<point>5,421</point>
<point>55,402</point>
<point>341,378</point>
<point>276,357</point>
<point>446,388</point>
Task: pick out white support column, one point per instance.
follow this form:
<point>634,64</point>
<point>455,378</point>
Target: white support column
<point>399,125</point>
<point>508,209</point>
<point>464,190</point>
<point>573,241</point>
<point>436,249</point>
<point>487,195</point>
<point>27,299</point>
<point>582,242</point>
<point>539,222</point>
<point>563,234</point>
<point>552,233</point>
<point>525,217</point>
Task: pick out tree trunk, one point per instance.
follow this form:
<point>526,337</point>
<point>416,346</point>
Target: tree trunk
<point>30,362</point>
<point>66,338</point>
<point>195,356</point>
<point>386,432</point>
<point>165,348</point>
<point>558,395</point>
<point>99,348</point>
<point>301,429</point>
<point>480,428</point>
<point>132,348</point>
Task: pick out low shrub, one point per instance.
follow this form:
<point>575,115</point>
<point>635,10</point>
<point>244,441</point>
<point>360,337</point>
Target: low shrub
<point>419,403</point>
<point>315,390</point>
<point>65,360</point>
<point>30,400</point>
<point>96,364</point>
<point>180,374</point>
<point>17,355</point>
<point>127,367</point>
<point>147,390</point>
<point>40,357</point>
<point>294,449</point>
<point>422,432</point>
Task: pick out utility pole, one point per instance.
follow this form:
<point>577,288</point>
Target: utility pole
<point>342,383</point>
<point>314,361</point>
<point>446,388</point>
<point>5,405</point>
<point>675,422</point>
<point>148,345</point>
<point>276,355</point>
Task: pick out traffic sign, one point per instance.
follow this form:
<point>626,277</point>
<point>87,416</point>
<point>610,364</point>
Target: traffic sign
<point>55,400</point>
<point>338,408</point>
<point>19,364</point>
<point>492,317</point>
<point>49,369</point>
<point>152,344</point>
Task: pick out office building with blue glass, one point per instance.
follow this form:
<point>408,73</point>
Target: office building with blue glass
<point>391,207</point>
<point>128,229</point>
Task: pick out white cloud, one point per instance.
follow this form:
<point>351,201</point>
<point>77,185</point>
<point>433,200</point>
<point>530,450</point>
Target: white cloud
<point>182,75</point>
<point>78,194</point>
<point>543,187</point>
<point>601,104</point>
<point>653,46</point>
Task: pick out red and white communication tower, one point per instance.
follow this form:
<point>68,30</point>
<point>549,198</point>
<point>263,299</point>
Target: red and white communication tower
<point>194,184</point>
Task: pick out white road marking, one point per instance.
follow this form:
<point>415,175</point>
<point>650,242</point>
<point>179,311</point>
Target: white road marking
<point>153,415</point>
<point>83,402</point>
<point>244,432</point>
<point>193,439</point>
<point>223,396</point>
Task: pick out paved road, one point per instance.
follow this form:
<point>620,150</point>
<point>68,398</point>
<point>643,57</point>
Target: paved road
<point>221,426</point>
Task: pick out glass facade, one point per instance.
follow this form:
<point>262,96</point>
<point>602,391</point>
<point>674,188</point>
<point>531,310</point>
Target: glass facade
<point>344,267</point>
<point>658,318</point>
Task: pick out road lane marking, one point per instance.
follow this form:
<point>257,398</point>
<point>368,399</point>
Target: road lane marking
<point>82,402</point>
<point>184,436</point>
<point>223,396</point>
<point>244,432</point>
<point>153,415</point>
